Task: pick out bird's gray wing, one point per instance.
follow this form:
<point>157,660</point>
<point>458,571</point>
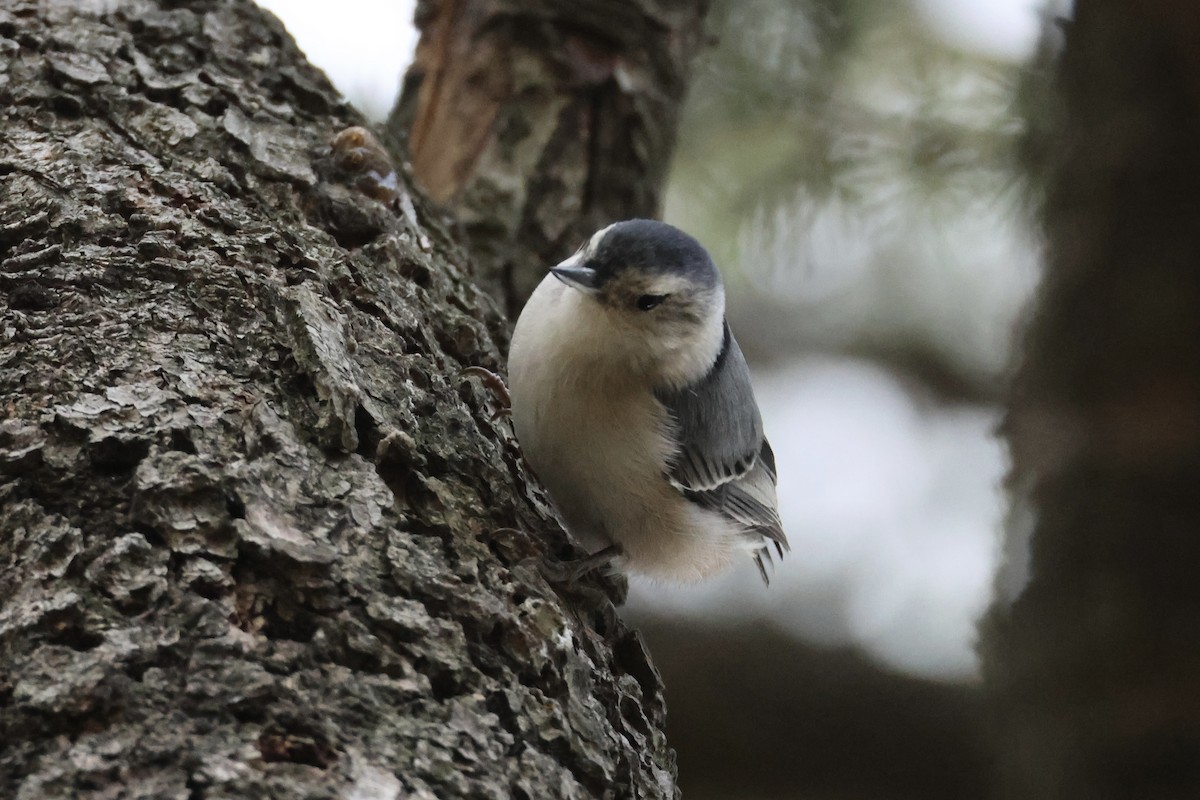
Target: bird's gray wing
<point>723,462</point>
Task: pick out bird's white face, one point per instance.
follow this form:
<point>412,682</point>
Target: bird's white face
<point>663,324</point>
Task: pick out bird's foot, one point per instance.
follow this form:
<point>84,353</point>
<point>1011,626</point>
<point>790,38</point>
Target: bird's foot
<point>495,384</point>
<point>568,576</point>
<point>570,572</point>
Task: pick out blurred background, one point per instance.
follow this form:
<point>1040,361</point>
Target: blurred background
<point>859,170</point>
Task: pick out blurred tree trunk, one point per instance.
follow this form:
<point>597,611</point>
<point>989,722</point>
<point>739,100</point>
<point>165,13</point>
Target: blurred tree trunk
<point>758,715</point>
<point>538,122</point>
<point>249,515</point>
<point>1094,666</point>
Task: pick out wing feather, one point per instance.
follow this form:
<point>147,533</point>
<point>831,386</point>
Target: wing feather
<point>723,461</point>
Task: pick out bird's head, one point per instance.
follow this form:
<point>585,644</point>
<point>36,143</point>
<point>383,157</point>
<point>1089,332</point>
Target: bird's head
<point>654,299</point>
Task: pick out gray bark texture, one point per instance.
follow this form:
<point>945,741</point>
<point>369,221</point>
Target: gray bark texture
<point>251,519</point>
<point>1094,666</point>
<point>538,122</point>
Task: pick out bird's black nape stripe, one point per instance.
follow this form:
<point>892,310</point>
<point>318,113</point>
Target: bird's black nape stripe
<point>715,370</point>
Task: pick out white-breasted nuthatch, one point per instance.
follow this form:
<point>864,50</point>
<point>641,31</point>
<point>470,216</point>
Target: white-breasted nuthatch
<point>632,403</point>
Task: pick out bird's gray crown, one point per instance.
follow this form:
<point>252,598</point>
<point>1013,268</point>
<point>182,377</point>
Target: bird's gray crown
<point>651,247</point>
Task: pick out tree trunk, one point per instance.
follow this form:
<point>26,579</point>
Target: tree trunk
<point>538,122</point>
<point>758,715</point>
<point>1095,665</point>
<point>251,518</point>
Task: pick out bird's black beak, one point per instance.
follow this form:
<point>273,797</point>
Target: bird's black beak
<point>581,278</point>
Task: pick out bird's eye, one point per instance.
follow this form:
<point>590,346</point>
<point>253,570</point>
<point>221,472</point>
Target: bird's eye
<point>649,301</point>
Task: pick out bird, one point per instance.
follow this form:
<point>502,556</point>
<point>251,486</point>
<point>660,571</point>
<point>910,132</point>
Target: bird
<point>632,404</point>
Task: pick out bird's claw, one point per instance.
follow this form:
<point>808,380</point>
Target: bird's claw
<point>571,572</point>
<point>495,384</point>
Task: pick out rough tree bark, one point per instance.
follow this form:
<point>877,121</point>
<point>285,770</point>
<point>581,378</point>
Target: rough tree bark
<point>538,122</point>
<point>1095,666</point>
<point>249,515</point>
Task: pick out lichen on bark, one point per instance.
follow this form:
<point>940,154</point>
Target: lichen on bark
<point>251,520</point>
